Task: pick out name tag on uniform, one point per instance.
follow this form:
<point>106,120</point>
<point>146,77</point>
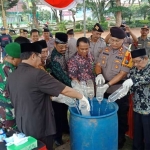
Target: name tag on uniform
<point>105,53</point>
<point>119,57</point>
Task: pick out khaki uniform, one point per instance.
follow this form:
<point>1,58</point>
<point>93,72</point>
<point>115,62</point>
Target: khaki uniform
<point>111,62</point>
<point>50,45</point>
<point>127,41</point>
<point>142,44</point>
<point>96,48</point>
<point>72,48</point>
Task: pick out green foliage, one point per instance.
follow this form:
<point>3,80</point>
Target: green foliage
<point>9,4</point>
<point>78,30</point>
<point>43,15</point>
<point>140,23</point>
<point>90,25</point>
<point>104,25</point>
<point>78,26</point>
<point>148,17</point>
<point>112,24</point>
<point>62,25</point>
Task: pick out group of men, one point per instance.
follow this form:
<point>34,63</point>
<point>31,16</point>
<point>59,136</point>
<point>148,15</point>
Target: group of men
<point>48,66</point>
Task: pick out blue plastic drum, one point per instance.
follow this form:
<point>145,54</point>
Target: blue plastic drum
<point>96,132</point>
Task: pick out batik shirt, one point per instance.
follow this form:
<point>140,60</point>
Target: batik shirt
<point>58,67</point>
<point>141,89</point>
<point>81,68</point>
<point>5,104</point>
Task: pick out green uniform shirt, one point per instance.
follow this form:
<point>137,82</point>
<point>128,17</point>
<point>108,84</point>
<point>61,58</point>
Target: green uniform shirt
<point>6,68</point>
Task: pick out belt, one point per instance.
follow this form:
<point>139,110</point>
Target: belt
<point>120,82</point>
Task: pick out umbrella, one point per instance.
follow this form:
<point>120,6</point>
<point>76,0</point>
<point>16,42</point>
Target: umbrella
<point>62,4</point>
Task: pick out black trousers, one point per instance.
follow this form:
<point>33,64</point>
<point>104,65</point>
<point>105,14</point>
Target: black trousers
<point>48,141</point>
<point>123,104</point>
<point>141,132</point>
<point>60,111</point>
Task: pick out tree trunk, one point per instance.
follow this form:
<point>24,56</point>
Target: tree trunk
<point>60,15</point>
<point>118,14</point>
<point>55,15</point>
<point>74,20</point>
<point>35,20</point>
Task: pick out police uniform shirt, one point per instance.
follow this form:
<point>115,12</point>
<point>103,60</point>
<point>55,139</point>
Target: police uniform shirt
<point>30,90</point>
<point>111,63</point>
<point>127,41</point>
<point>96,48</point>
<point>72,48</point>
<point>144,44</point>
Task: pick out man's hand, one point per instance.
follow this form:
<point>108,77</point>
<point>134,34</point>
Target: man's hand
<point>99,79</point>
<point>105,87</point>
<point>85,102</point>
<point>127,84</point>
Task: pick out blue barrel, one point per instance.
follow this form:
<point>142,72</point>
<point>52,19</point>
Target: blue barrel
<point>96,132</point>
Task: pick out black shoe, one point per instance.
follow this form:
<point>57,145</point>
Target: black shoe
<point>121,143</point>
<point>59,142</point>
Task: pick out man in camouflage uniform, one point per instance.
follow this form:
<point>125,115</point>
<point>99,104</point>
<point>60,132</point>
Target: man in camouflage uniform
<point>7,119</point>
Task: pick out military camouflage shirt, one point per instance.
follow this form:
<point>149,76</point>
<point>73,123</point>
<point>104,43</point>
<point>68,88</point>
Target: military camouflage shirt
<point>5,69</point>
<point>141,89</point>
<point>58,67</point>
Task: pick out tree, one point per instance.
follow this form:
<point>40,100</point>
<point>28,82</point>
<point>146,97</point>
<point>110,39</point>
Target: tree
<point>9,4</point>
<point>31,6</point>
<point>144,10</point>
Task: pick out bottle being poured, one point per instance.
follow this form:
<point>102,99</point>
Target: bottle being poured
<point>117,94</point>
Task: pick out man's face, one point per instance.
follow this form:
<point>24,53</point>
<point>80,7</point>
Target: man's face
<point>16,61</point>
<point>24,34</point>
<point>44,54</point>
<point>139,62</point>
<point>36,60</point>
<point>144,32</point>
<point>96,35</point>
<point>3,31</point>
<point>115,43</point>
<point>46,35</point>
<point>83,49</point>
<point>35,36</point>
<point>61,48</point>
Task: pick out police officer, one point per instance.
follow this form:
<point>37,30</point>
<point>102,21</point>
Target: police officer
<point>72,49</point>
<point>143,40</point>
<point>24,33</point>
<point>127,40</point>
<point>49,40</point>
<point>97,43</point>
<point>112,67</point>
<point>4,40</point>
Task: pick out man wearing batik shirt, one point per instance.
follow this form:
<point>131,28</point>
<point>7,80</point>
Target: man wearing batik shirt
<point>81,64</point>
<point>58,68</point>
<point>7,119</point>
<point>139,84</point>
